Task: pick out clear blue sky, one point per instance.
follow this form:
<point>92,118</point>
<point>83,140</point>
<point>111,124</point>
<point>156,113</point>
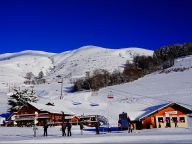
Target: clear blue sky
<point>59,25</point>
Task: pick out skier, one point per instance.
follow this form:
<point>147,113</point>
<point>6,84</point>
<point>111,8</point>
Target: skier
<point>97,124</point>
<point>35,130</point>
<point>63,129</point>
<point>81,127</point>
<point>68,128</point>
<point>45,127</point>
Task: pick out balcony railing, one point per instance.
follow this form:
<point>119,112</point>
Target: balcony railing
<point>31,116</point>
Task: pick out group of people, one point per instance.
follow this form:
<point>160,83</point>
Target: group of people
<point>65,125</point>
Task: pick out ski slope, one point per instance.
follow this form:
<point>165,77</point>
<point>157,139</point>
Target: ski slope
<point>134,97</point>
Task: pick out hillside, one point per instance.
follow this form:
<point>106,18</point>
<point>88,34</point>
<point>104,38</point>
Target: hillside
<point>133,97</point>
<point>86,59</point>
<point>14,66</point>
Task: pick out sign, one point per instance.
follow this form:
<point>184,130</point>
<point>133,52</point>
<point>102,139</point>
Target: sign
<point>171,112</point>
<point>166,115</point>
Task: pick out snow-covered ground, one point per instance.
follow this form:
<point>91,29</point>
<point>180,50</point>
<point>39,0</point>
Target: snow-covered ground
<point>25,135</point>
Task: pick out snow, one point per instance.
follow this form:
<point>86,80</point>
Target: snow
<point>52,109</point>
<point>134,97</point>
<point>8,56</point>
<point>184,62</point>
<point>88,58</point>
<point>25,135</point>
<point>180,64</point>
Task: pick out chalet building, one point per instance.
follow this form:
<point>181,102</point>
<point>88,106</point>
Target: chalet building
<point>49,113</point>
<point>163,116</point>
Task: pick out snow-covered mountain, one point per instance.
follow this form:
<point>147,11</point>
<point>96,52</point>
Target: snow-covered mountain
<point>133,97</point>
<point>14,66</point>
<point>88,58</point>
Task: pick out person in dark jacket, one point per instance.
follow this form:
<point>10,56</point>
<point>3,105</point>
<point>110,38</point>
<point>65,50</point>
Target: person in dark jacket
<point>97,124</point>
<point>63,128</point>
<point>45,127</point>
<point>68,128</point>
<point>81,127</point>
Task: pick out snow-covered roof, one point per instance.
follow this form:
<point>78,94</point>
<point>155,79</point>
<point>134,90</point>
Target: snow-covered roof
<point>52,109</point>
<point>134,114</point>
<point>153,109</point>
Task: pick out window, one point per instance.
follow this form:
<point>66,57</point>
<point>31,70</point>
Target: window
<point>174,119</point>
<point>160,119</point>
<point>182,119</point>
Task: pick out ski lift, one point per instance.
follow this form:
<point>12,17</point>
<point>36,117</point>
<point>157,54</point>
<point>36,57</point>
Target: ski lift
<point>110,96</point>
<point>76,103</point>
<point>94,104</point>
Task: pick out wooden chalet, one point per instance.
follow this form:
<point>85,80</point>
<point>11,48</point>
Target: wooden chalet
<point>162,116</point>
<point>50,114</point>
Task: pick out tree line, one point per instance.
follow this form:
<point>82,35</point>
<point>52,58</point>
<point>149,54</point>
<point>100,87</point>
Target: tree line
<point>32,79</point>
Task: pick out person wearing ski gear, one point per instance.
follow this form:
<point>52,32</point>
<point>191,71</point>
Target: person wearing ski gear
<point>45,127</point>
<point>63,128</point>
<point>68,128</point>
<point>97,124</point>
<point>81,127</point>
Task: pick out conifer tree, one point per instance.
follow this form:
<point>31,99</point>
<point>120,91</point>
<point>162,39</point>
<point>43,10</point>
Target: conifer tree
<point>19,98</point>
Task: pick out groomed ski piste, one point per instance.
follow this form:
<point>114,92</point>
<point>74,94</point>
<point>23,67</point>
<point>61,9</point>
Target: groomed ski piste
<point>133,98</point>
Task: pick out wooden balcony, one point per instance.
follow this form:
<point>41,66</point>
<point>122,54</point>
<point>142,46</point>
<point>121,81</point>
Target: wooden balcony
<point>26,117</point>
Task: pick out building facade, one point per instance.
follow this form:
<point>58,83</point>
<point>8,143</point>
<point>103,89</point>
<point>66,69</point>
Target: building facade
<point>167,115</point>
<point>30,114</point>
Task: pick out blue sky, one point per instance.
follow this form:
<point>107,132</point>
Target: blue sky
<point>60,25</point>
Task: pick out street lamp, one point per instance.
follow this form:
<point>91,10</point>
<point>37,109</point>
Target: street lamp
<point>61,96</point>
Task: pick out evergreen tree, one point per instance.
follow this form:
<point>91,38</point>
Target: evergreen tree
<point>29,76</point>
<point>40,75</point>
<point>19,98</point>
